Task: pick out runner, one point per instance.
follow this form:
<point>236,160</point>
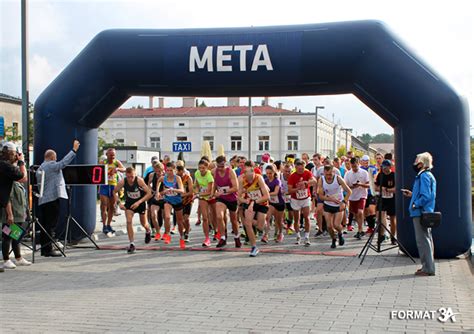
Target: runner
<point>317,204</point>
<point>277,204</point>
<point>188,197</point>
<point>285,176</point>
<point>330,190</point>
<point>299,185</point>
<point>371,202</point>
<point>106,192</point>
<point>136,195</point>
<point>386,178</point>
<point>358,180</point>
<point>156,203</point>
<point>253,196</point>
<point>203,183</point>
<point>172,191</point>
<point>225,191</point>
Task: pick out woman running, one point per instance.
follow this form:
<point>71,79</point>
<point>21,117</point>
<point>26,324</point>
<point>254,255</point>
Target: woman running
<point>277,204</point>
<point>203,188</point>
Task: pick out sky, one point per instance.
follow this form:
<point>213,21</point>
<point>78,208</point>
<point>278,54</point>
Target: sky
<point>440,32</point>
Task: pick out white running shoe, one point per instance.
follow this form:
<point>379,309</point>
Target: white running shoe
<point>22,262</point>
<point>9,265</point>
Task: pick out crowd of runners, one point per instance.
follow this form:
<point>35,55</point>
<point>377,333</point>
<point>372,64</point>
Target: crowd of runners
<point>273,199</point>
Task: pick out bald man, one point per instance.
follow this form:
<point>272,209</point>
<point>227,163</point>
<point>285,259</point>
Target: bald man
<point>54,189</point>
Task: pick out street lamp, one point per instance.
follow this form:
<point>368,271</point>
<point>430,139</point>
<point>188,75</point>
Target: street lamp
<point>346,130</point>
<point>316,128</point>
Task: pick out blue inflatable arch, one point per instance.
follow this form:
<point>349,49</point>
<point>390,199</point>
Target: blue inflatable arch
<point>362,58</point>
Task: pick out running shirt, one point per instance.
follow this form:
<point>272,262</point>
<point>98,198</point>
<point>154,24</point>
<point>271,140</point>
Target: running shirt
<point>284,189</point>
<point>351,179</point>
<point>333,190</point>
<point>186,180</point>
<point>203,182</point>
<point>388,181</point>
<point>372,171</point>
<point>133,193</point>
<point>278,198</point>
<point>295,179</point>
<point>113,177</point>
<point>225,183</point>
<point>252,189</point>
<point>172,198</point>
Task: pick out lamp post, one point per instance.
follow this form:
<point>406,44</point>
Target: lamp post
<point>316,127</point>
<point>346,130</point>
<point>24,81</point>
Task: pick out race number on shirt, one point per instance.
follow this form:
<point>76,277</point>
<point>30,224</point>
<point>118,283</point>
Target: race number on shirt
<point>386,194</point>
<point>255,195</point>
<point>133,194</point>
<point>223,190</point>
<point>274,199</point>
<point>302,194</point>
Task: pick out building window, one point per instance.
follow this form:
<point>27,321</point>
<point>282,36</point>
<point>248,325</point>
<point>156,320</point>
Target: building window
<point>155,142</point>
<point>263,143</point>
<point>15,129</point>
<point>182,138</point>
<point>292,123</point>
<point>120,141</point>
<point>236,143</point>
<point>181,124</point>
<point>292,143</point>
<point>210,139</point>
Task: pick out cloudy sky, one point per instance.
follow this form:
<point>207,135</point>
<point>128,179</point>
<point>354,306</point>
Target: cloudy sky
<point>440,32</point>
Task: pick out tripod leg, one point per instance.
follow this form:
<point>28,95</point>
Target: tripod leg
<point>85,233</point>
<point>67,230</point>
<point>366,248</point>
<point>52,240</point>
<point>33,240</point>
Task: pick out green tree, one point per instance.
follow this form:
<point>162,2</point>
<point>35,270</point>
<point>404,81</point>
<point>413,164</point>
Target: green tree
<point>341,151</point>
<point>11,134</point>
<point>366,138</point>
<point>383,138</point>
<point>202,104</point>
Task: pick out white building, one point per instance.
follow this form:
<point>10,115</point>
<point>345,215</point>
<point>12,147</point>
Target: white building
<point>274,130</point>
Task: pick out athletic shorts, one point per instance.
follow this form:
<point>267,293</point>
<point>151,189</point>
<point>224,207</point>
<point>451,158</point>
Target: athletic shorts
<point>298,204</point>
<point>331,209</point>
<point>371,200</point>
<point>212,201</point>
<point>140,210</point>
<point>289,207</point>
<point>176,206</point>
<point>388,205</point>
<point>106,190</point>
<point>278,206</point>
<point>160,203</point>
<point>355,206</point>
<point>187,209</point>
<point>232,206</point>
<point>256,207</point>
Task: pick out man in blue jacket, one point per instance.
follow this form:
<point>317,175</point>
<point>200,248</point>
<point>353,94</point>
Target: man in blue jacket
<point>54,189</point>
<point>423,197</point>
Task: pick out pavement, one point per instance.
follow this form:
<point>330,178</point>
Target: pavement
<point>287,288</point>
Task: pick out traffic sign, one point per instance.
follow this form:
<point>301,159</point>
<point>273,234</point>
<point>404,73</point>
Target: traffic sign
<point>182,146</point>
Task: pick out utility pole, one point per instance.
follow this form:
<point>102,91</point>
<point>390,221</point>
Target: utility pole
<point>316,128</point>
<point>250,130</point>
<point>24,81</point>
<point>346,130</point>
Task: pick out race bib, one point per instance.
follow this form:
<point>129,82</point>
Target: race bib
<point>287,198</point>
<point>274,199</point>
<point>302,194</point>
<point>171,192</point>
<point>202,189</point>
<point>386,194</point>
<point>255,195</point>
<point>221,189</point>
<point>133,194</point>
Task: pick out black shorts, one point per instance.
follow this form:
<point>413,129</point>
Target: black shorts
<point>232,206</point>
<point>256,207</point>
<point>140,210</point>
<point>177,206</point>
<point>160,203</point>
<point>331,209</point>
<point>187,209</point>
<point>371,200</point>
<point>288,207</point>
<point>388,205</point>
<point>279,207</point>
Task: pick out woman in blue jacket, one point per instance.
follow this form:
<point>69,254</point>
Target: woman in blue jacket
<point>423,198</point>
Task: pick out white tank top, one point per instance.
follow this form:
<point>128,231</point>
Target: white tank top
<point>333,189</point>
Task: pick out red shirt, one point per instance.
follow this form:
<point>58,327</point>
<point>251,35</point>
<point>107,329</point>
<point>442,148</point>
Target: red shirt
<point>294,181</point>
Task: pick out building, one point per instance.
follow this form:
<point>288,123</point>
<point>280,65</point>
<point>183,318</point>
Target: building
<point>274,129</point>
<point>10,114</point>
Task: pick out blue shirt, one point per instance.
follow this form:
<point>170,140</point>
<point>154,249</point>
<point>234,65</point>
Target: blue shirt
<point>423,194</point>
<point>148,170</point>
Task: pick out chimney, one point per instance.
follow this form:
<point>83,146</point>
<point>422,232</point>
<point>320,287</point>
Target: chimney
<point>265,101</point>
<point>280,105</point>
<point>150,102</point>
<point>189,102</point>
<point>161,102</point>
<point>233,101</point>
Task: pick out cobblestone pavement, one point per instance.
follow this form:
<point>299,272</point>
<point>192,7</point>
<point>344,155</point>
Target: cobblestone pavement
<point>188,291</point>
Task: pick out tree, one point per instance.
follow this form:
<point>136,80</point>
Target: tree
<point>366,138</point>
<point>383,138</point>
<point>12,134</point>
<point>203,104</point>
<point>341,151</point>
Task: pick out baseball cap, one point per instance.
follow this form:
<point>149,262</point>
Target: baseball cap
<point>266,157</point>
<point>365,158</point>
<point>386,163</point>
<point>9,146</point>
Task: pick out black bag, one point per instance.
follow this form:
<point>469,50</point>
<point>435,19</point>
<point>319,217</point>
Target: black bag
<point>431,219</point>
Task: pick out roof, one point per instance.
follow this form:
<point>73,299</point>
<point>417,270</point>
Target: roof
<point>201,111</point>
<point>9,98</point>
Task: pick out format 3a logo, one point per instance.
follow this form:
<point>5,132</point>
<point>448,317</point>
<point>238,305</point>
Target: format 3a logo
<point>446,314</point>
<point>223,57</point>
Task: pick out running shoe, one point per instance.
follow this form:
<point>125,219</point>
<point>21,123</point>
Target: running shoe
<point>358,235</point>
<point>22,262</point>
<point>198,223</point>
<point>238,243</point>
<point>350,228</point>
<point>362,233</point>
<point>186,238</point>
<point>221,243</point>
<point>111,230</point>
<point>182,244</point>
<point>370,230</point>
<point>290,230</point>
<point>217,236</point>
<point>9,265</point>
<point>319,233</point>
<point>264,239</point>
<point>298,240</point>
<point>131,249</point>
<point>147,237</point>
<point>105,229</point>
<point>341,239</point>
<point>333,245</point>
<point>254,251</point>
<point>157,236</point>
<point>206,243</point>
<point>173,230</point>
<point>307,243</point>
<point>166,238</point>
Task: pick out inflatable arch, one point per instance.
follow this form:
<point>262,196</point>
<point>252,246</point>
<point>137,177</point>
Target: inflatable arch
<point>362,58</point>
